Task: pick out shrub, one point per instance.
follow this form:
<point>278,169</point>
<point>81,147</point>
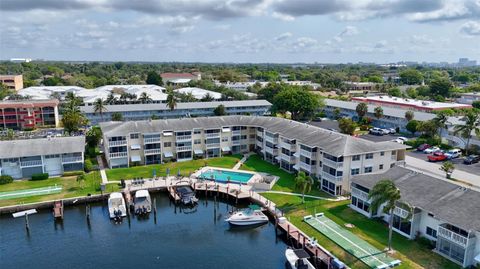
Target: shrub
<point>73,173</point>
<point>88,166</point>
<point>40,176</point>
<point>5,179</point>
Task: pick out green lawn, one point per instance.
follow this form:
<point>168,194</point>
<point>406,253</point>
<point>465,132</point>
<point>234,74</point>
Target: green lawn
<point>413,254</point>
<point>161,169</point>
<point>71,188</point>
<point>285,183</point>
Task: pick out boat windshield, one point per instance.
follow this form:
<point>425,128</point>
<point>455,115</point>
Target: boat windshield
<point>116,201</point>
<point>141,200</point>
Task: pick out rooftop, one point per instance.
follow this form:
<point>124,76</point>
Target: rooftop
<point>28,103</point>
<point>41,146</point>
<point>410,102</point>
<point>199,93</point>
<point>458,205</point>
<point>332,142</point>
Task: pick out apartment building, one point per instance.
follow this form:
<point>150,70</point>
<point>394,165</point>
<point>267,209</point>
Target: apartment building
<point>28,114</point>
<point>468,98</point>
<point>13,82</point>
<point>410,104</point>
<point>182,110</point>
<point>438,210</point>
<point>330,157</point>
<point>23,158</point>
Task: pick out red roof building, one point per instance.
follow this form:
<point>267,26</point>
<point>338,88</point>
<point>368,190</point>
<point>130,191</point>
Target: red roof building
<point>29,114</point>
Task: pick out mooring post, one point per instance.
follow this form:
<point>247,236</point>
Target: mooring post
<point>87,211</point>
<point>27,225</point>
<point>298,238</point>
<point>316,256</point>
<point>288,231</point>
<point>304,239</point>
<point>155,210</point>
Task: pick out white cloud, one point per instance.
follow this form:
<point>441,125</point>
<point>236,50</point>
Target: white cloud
<point>283,36</point>
<point>471,28</point>
<point>283,17</point>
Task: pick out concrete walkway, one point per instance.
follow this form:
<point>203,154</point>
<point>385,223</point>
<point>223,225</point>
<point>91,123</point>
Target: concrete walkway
<point>239,164</point>
<point>341,198</point>
<point>433,169</point>
<point>101,166</point>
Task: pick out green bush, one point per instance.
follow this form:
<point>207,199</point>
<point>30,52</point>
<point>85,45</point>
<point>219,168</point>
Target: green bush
<point>73,173</point>
<point>40,176</point>
<point>5,179</point>
<point>88,166</point>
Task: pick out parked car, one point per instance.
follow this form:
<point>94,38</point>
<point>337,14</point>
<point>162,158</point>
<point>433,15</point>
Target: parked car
<point>404,139</point>
<point>385,131</point>
<point>453,153</point>
<point>399,141</point>
<point>376,131</point>
<point>431,150</point>
<point>471,159</point>
<point>392,130</point>
<point>423,147</point>
<point>437,156</point>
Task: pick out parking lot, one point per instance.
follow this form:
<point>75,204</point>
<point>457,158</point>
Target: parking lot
<point>472,168</point>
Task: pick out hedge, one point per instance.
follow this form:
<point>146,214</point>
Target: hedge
<point>40,176</point>
<point>5,179</point>
<point>73,173</point>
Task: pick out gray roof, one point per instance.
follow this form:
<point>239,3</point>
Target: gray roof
<point>332,142</point>
<point>190,105</point>
<point>41,146</point>
<point>447,201</point>
<point>387,111</point>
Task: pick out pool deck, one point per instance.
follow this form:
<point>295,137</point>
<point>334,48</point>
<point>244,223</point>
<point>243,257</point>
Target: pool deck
<point>256,177</point>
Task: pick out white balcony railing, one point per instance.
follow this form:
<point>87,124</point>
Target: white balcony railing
<point>330,177</point>
<point>259,133</point>
<point>237,132</point>
<point>236,142</point>
<point>152,151</point>
<point>114,155</point>
<point>151,140</point>
<point>401,212</point>
<point>305,166</point>
<point>184,138</point>
<point>306,153</point>
<point>454,237</point>
<point>72,159</point>
<point>287,146</point>
<point>213,145</point>
<point>287,158</point>
<point>210,135</point>
<point>31,163</point>
<point>117,143</point>
<point>184,148</point>
<point>360,194</point>
<point>332,163</point>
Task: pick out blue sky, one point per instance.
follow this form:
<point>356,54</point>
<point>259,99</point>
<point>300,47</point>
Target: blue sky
<point>283,31</point>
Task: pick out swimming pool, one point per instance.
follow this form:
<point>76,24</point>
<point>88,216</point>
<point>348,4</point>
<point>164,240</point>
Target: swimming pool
<point>224,176</point>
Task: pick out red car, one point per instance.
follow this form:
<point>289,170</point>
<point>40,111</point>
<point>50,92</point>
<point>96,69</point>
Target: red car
<point>423,147</point>
<point>437,156</point>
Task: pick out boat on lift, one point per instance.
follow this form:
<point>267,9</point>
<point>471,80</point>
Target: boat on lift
<point>142,202</point>
<point>298,259</point>
<point>249,216</point>
<point>116,206</point>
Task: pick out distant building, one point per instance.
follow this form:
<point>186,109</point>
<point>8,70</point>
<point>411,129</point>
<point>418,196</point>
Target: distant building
<point>180,78</point>
<point>468,98</point>
<point>20,60</point>
<point>13,82</point>
<point>135,112</point>
<point>410,104</point>
<point>360,86</point>
<point>199,93</point>
<point>24,158</point>
<point>29,114</point>
<point>465,62</point>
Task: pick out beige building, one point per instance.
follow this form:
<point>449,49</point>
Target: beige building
<point>13,82</point>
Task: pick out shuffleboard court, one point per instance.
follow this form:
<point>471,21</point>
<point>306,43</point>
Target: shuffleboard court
<point>354,245</point>
<point>30,192</point>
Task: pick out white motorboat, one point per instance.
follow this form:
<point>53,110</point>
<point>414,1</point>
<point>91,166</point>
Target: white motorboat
<point>142,202</point>
<point>116,205</point>
<point>250,216</point>
<point>298,259</point>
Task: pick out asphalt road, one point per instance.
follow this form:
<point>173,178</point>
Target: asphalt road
<point>472,168</point>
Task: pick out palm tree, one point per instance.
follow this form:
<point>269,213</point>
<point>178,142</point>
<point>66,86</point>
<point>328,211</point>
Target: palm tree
<point>441,121</point>
<point>303,183</point>
<point>207,98</point>
<point>99,107</point>
<point>385,193</point>
<point>123,98</point>
<point>409,115</point>
<point>117,116</point>
<point>472,124</point>
<point>362,110</point>
<point>378,112</point>
<point>144,98</point>
<point>111,99</point>
<point>448,168</point>
<point>171,101</point>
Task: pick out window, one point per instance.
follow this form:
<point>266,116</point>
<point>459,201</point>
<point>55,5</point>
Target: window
<point>224,139</point>
<point>197,141</point>
<point>380,167</point>
<point>355,171</point>
<point>197,131</point>
<point>431,232</point>
<point>356,158</point>
<point>369,156</point>
<point>382,153</point>
<point>134,136</point>
<point>167,144</point>
<point>368,169</point>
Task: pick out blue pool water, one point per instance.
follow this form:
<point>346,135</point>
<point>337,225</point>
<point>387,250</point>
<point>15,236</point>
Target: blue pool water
<point>223,176</point>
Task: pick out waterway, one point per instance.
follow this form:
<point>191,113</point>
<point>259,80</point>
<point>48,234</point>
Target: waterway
<point>177,239</point>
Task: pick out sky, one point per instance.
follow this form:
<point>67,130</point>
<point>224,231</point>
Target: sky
<point>239,31</point>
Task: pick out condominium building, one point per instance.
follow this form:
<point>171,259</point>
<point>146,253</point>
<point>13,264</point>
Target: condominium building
<point>438,210</point>
<point>161,111</point>
<point>468,98</point>
<point>330,157</point>
<point>28,114</point>
<point>24,158</point>
<point>12,82</point>
<point>410,104</point>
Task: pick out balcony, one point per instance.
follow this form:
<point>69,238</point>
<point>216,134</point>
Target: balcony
<point>151,140</point>
<point>305,166</point>
<point>452,236</point>
<point>270,139</point>
<point>401,212</point>
<point>308,154</point>
<point>290,147</point>
<point>213,145</point>
<point>287,158</point>
<point>211,135</point>
<point>236,142</point>
<point>237,132</point>
<point>360,194</point>
<point>184,138</point>
<point>117,143</point>
<point>331,178</point>
<point>76,159</point>
<point>184,148</point>
<point>115,155</point>
<point>259,133</point>
<point>31,163</point>
<point>152,151</point>
<point>331,163</point>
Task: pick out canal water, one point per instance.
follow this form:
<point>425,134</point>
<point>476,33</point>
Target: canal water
<point>187,239</point>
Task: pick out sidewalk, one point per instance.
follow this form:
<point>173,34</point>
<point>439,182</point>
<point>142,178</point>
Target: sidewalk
<point>434,169</point>
<point>340,198</point>
<point>101,166</point>
<point>239,164</point>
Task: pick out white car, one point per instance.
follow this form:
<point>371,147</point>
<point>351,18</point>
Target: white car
<point>404,139</point>
<point>399,141</point>
<point>453,153</point>
<point>385,131</point>
<point>431,150</point>
<point>392,130</point>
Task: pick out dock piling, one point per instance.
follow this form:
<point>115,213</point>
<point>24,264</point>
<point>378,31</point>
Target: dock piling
<point>27,224</point>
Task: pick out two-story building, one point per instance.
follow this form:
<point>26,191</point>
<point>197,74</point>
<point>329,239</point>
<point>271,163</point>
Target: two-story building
<point>330,157</point>
<point>430,207</point>
<point>26,157</point>
<point>28,114</point>
<point>12,82</point>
